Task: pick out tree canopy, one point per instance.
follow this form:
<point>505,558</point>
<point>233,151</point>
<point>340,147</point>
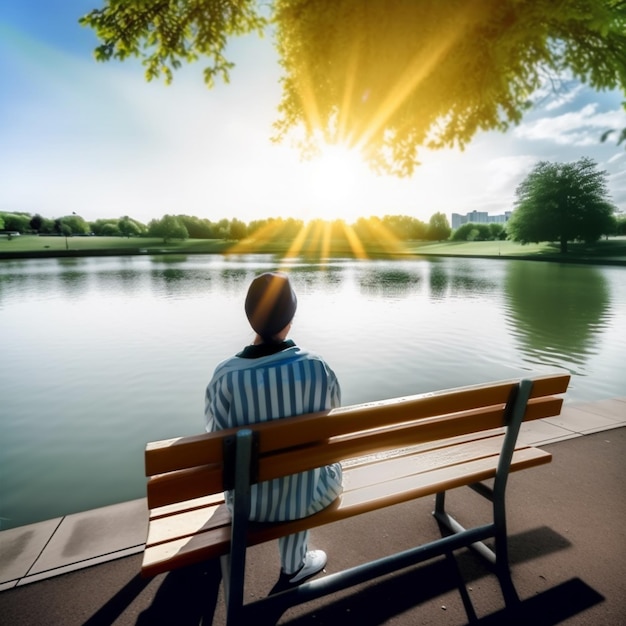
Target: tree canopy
<point>168,227</point>
<point>562,202</point>
<point>385,77</point>
<point>438,227</point>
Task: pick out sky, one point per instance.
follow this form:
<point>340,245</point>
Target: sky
<point>98,140</point>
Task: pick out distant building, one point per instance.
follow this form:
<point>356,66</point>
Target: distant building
<point>479,217</point>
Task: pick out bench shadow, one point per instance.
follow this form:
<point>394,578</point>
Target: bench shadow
<point>117,604</point>
<point>186,596</point>
<point>549,607</point>
<point>190,595</point>
<point>381,600</point>
<point>381,603</point>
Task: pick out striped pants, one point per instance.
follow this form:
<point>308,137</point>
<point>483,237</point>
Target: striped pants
<point>267,508</point>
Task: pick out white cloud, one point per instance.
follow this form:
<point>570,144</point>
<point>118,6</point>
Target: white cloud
<point>509,170</point>
<point>563,98</point>
<point>575,128</point>
<point>617,157</point>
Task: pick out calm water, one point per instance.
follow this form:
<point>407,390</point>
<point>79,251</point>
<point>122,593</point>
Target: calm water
<point>99,356</point>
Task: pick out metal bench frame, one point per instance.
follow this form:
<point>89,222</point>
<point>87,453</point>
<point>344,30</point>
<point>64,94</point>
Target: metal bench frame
<point>241,448</point>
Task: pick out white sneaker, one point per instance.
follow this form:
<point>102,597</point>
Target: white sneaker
<point>314,562</point>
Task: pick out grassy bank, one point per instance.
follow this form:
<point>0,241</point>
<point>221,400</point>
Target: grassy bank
<point>611,251</point>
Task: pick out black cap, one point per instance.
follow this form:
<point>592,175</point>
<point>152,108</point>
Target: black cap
<point>270,304</point>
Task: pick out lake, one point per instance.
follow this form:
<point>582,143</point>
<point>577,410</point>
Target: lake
<point>101,355</point>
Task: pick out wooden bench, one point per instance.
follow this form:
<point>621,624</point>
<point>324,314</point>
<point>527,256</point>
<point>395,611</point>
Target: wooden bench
<point>430,443</point>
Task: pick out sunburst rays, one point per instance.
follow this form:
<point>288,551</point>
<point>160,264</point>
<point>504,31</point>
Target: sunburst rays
<point>322,240</point>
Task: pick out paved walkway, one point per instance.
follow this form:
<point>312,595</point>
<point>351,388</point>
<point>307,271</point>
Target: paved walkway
<point>42,552</point>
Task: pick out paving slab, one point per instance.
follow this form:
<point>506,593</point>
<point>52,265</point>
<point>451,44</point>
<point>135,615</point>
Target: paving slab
<point>82,537</point>
<point>541,432</point>
<point>583,421</point>
<point>612,408</point>
<point>20,547</point>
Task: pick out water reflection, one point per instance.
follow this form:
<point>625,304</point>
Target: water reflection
<point>169,258</point>
<point>74,283</point>
<point>465,280</point>
<point>388,282</point>
<point>556,312</point>
<point>462,279</point>
<point>233,277</point>
<point>438,281</point>
<point>125,280</point>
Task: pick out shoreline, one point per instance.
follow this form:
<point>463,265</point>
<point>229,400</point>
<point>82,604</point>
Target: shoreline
<point>280,249</point>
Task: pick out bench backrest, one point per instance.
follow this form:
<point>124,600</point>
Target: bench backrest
<point>196,466</point>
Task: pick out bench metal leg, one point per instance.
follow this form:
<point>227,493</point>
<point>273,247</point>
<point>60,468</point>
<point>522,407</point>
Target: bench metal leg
<point>499,558</point>
<point>234,564</point>
<point>440,503</point>
<point>225,567</point>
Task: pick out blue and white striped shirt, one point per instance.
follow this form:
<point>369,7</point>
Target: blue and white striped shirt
<point>291,382</point>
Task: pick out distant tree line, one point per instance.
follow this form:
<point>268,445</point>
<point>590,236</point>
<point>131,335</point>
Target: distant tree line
<point>168,227</point>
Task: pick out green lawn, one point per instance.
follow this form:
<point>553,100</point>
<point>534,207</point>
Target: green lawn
<point>42,244</point>
<point>481,248</point>
<point>612,250</point>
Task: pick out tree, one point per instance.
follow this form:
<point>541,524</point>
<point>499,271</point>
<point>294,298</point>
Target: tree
<point>562,202</point>
<point>479,232</point>
<point>497,231</point>
<point>168,227</point>
<point>405,227</point>
<point>386,77</point>
<point>109,229</point>
<point>76,224</point>
<point>129,227</point>
<point>621,135</point>
<point>36,222</point>
<point>438,227</point>
<point>105,227</point>
<point>47,226</point>
<point>19,222</point>
<point>238,229</point>
<point>198,228</point>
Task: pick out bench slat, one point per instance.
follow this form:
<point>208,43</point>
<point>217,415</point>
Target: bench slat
<point>216,541</point>
<point>173,454</point>
<point>395,436</point>
<point>186,505</point>
<point>185,484</point>
<point>411,463</point>
<point>188,523</point>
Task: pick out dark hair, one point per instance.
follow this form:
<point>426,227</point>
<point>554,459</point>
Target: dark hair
<point>270,304</point>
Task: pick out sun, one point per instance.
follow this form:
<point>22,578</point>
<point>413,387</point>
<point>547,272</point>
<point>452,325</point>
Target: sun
<point>334,180</point>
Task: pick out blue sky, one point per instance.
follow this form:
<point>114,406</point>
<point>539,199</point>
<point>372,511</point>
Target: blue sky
<point>96,139</point>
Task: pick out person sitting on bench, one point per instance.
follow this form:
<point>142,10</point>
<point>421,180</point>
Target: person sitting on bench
<point>272,379</point>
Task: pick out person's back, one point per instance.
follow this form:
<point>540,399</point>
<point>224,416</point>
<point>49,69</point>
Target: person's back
<point>275,379</point>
